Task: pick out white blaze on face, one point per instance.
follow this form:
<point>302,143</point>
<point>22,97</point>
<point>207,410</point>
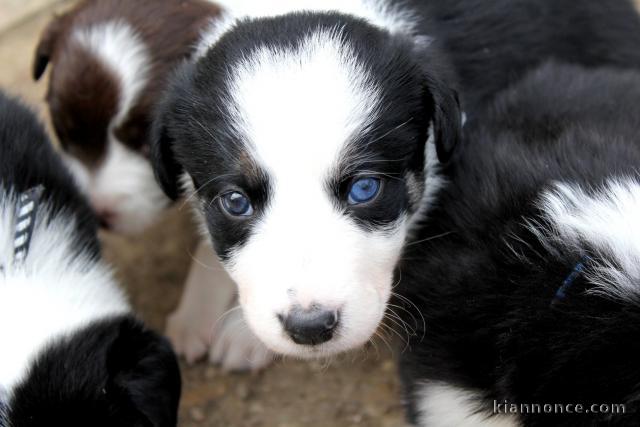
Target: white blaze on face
<point>123,184</point>
<point>298,111</point>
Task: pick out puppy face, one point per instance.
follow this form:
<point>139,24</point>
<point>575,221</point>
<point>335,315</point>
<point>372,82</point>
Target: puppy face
<point>307,156</point>
<point>102,122</point>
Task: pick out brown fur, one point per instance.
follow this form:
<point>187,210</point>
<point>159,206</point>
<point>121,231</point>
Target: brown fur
<point>83,94</point>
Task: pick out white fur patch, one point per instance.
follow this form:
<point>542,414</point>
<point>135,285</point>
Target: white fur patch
<point>384,14</point>
<point>444,405</point>
<point>48,296</point>
<point>317,97</point>
<point>123,51</point>
<point>124,183</point>
<point>297,112</point>
<point>607,221</point>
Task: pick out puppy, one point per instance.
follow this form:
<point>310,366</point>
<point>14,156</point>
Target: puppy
<point>110,59</point>
<point>310,138</point>
<point>532,298</point>
<point>73,353</point>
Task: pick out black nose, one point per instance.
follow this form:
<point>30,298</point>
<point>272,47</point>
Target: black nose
<point>310,327</point>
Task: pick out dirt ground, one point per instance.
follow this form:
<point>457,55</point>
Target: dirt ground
<point>355,390</point>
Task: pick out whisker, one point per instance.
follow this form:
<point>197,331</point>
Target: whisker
<point>404,340</point>
<point>386,134</point>
<point>197,190</point>
<point>393,317</point>
<point>202,264</point>
<point>379,335</point>
<point>424,321</point>
<point>428,239</point>
<point>225,314</point>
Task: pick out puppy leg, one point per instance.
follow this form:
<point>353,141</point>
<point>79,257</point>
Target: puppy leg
<point>236,348</point>
<point>208,294</point>
<point>209,320</point>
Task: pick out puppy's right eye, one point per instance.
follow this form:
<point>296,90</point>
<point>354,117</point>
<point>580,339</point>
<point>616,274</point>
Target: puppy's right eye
<point>363,190</point>
<point>236,204</point>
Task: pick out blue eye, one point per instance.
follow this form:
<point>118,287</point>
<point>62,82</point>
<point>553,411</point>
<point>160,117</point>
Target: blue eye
<point>236,204</point>
<point>363,190</point>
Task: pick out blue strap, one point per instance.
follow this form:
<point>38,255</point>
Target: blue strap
<point>561,293</point>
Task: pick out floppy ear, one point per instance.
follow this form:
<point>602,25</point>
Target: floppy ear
<point>45,47</point>
<point>165,166</point>
<point>447,120</point>
<point>144,377</point>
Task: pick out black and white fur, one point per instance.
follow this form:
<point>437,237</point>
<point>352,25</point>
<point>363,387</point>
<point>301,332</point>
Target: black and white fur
<point>72,352</point>
<point>293,101</point>
<point>527,273</point>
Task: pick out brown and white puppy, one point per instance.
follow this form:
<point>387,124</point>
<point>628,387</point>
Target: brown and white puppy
<point>110,61</point>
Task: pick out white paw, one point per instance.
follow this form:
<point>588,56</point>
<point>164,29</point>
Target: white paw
<point>236,348</point>
<point>190,338</point>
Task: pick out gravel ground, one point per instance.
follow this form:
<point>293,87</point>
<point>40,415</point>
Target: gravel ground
<point>359,389</point>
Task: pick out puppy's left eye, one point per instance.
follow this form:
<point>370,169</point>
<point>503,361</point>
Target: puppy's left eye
<point>236,204</point>
<point>363,190</point>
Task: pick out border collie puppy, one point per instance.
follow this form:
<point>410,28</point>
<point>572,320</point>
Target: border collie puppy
<point>533,296</point>
<point>73,354</point>
<point>109,61</point>
<point>310,136</point>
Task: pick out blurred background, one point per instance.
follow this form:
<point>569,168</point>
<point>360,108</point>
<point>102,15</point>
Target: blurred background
<point>358,389</point>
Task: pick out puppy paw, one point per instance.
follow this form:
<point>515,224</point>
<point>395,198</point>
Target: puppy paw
<point>236,348</point>
<point>191,338</point>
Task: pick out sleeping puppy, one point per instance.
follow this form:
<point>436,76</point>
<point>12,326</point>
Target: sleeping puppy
<point>109,62</point>
<point>73,353</point>
<point>310,138</point>
<point>533,296</point>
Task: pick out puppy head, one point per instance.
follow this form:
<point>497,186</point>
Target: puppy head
<point>310,141</point>
<point>112,373</point>
<point>98,73</point>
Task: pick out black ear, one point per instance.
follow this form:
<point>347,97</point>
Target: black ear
<point>46,46</point>
<point>447,120</point>
<point>165,166</point>
<point>144,376</point>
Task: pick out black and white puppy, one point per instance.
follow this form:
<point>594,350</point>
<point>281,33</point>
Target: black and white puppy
<point>310,134</point>
<point>533,296</point>
<point>72,352</point>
